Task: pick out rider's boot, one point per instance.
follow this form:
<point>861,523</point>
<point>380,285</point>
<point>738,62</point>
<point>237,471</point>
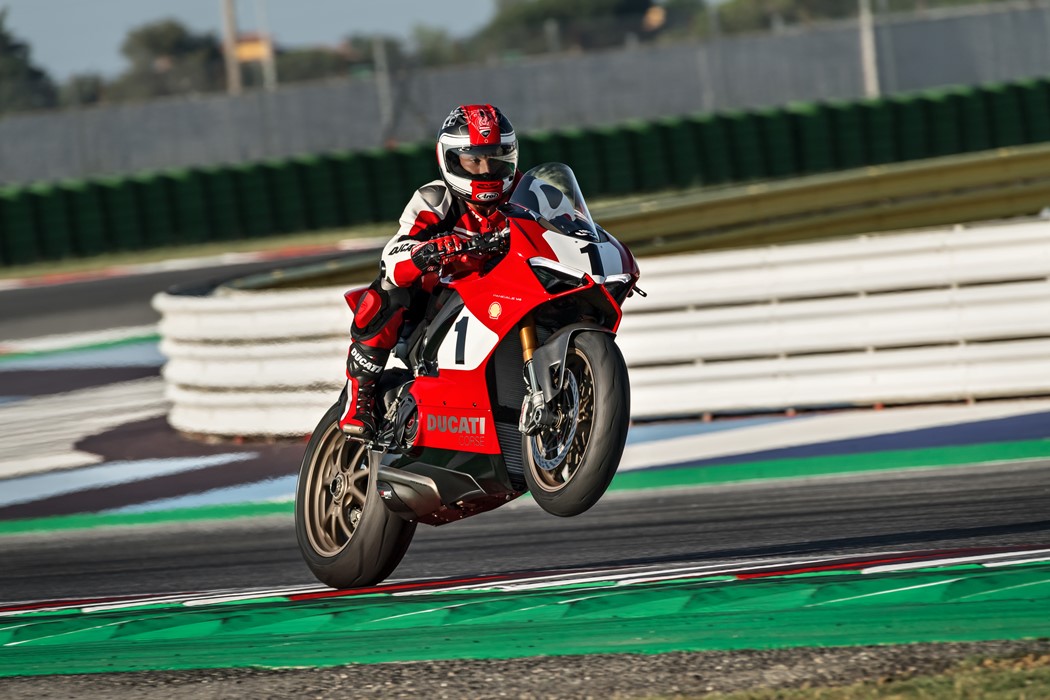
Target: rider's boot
<point>364,365</point>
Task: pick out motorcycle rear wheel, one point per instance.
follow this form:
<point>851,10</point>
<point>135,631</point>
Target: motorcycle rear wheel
<point>347,535</point>
<point>569,466</point>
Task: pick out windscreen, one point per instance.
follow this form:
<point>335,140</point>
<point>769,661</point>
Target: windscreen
<point>550,193</point>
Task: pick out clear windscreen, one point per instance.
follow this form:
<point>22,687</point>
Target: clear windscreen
<point>551,194</point>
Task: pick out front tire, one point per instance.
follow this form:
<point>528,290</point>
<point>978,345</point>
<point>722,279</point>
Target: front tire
<point>569,465</point>
<point>347,535</point>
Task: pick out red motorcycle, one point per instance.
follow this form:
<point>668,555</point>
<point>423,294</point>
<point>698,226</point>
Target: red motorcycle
<point>514,383</point>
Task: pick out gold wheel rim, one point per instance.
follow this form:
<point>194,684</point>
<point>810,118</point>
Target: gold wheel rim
<point>336,491</point>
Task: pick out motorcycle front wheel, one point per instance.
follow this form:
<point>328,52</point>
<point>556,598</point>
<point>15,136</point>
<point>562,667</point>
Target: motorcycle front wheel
<point>347,535</point>
<point>569,465</point>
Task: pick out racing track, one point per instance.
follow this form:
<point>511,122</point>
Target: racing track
<point>861,517</point>
<point>948,509</point>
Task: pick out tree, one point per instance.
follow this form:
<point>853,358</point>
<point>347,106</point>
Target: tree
<point>526,25</point>
<point>737,16</point>
<point>295,65</point>
<point>22,85</point>
<point>435,47</point>
<point>168,59</point>
<point>82,89</point>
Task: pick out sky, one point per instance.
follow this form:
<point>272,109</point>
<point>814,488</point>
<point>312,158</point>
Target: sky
<point>84,36</point>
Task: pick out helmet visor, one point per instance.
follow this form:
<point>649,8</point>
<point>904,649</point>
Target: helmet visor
<point>492,162</point>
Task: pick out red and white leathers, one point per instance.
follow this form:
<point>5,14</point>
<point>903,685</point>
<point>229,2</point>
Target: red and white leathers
<point>432,215</point>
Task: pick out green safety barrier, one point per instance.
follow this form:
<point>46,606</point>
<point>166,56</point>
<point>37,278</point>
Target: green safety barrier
<point>55,226</point>
<point>745,147</point>
<point>121,212</point>
<point>158,218</point>
<point>581,149</point>
<point>317,175</point>
<point>847,128</point>
<point>354,189</point>
<point>189,208</point>
<point>716,161</point>
<point>254,201</point>
<point>18,226</point>
<point>974,120</point>
<point>879,131</point>
<point>287,198</point>
<point>388,186</point>
<point>812,128</point>
<point>681,152</point>
<point>314,192</point>
<point>1004,107</point>
<point>912,130</point>
<point>618,166</point>
<point>778,141</point>
<point>1035,108</point>
<point>89,229</point>
<point>221,204</point>
<point>945,133</point>
<point>650,156</point>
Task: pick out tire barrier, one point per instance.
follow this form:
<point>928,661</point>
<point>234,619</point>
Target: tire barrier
<point>196,205</point>
<point>945,315</point>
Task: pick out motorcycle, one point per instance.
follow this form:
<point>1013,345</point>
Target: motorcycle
<point>512,383</point>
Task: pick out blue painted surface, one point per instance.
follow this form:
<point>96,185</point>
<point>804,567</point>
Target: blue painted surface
<point>138,354</point>
<point>651,432</point>
<point>282,489</point>
<point>26,489</point>
<point>1032,426</point>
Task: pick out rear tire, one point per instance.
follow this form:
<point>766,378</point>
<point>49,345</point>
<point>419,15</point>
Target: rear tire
<point>569,466</point>
<point>347,535</point>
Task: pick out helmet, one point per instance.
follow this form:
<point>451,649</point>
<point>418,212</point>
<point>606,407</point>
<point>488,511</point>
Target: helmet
<point>478,130</point>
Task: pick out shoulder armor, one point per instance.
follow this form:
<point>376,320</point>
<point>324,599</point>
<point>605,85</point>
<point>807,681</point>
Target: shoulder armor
<point>433,193</point>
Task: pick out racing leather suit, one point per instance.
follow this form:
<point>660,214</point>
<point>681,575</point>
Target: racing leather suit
<point>432,214</point>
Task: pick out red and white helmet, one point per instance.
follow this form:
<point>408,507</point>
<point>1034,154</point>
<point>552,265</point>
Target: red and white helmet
<point>478,130</point>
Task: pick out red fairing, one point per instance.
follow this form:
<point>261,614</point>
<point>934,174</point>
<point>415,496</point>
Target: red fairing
<point>454,412</point>
<point>454,408</point>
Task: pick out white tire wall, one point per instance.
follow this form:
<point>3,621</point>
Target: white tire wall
<point>947,315</point>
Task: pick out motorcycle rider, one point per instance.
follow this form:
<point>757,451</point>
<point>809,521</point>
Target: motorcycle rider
<point>477,154</point>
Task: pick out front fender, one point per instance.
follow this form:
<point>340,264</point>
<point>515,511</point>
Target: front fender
<point>551,355</point>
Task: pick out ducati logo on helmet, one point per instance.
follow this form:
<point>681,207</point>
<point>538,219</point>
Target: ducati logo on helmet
<point>481,118</point>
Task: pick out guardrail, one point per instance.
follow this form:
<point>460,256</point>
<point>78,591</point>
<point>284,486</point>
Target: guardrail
<point>959,314</point>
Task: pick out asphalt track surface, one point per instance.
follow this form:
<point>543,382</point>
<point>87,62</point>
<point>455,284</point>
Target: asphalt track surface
<point>945,509</point>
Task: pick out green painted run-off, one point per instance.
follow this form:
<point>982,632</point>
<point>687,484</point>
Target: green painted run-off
<point>962,603</point>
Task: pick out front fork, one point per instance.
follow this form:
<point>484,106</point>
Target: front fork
<point>535,416</point>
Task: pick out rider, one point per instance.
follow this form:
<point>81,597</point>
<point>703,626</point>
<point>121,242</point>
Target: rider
<point>477,154</point>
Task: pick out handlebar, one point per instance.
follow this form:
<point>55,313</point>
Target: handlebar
<point>475,244</point>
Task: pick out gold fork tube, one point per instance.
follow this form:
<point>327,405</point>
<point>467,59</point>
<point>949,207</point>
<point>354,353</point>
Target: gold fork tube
<point>528,338</point>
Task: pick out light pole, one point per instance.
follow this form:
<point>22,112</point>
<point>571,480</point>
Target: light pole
<point>869,60</point>
<point>229,47</point>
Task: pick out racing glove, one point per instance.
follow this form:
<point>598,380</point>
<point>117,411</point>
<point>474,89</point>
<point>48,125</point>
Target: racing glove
<point>437,250</point>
